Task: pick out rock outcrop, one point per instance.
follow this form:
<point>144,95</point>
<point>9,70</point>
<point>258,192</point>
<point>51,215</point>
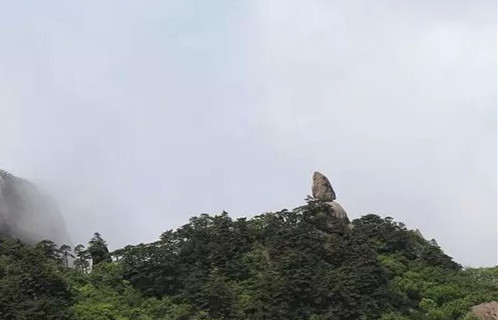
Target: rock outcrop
<point>338,210</point>
<point>322,191</point>
<point>27,214</point>
<point>486,311</point>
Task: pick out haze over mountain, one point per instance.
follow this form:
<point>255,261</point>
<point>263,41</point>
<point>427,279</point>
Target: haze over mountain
<point>27,214</point>
<point>137,115</point>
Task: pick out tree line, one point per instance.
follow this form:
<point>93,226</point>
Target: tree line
<point>292,264</point>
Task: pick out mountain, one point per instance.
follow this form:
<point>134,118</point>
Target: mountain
<point>27,214</point>
<point>309,263</point>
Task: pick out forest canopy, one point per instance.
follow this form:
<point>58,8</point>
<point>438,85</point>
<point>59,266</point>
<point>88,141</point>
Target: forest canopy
<point>297,264</point>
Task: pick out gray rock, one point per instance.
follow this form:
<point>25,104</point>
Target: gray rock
<point>322,192</point>
<point>337,210</point>
<point>486,311</point>
<point>27,214</point>
<point>332,209</point>
<point>321,188</point>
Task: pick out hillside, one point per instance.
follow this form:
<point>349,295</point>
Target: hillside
<point>306,263</point>
<point>28,214</point>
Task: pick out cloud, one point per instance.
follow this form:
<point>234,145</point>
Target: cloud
<point>139,114</point>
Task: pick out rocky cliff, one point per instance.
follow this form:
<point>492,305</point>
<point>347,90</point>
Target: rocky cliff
<point>27,214</point>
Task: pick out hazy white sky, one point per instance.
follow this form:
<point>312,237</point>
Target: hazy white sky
<point>137,115</point>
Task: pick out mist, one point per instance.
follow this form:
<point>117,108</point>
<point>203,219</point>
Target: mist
<point>136,115</point>
<point>28,214</point>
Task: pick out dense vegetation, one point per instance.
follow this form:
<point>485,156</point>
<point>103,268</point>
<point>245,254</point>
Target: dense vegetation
<point>299,264</point>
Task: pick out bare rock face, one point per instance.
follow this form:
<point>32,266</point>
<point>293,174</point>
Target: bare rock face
<point>486,311</point>
<point>322,189</point>
<point>27,214</point>
<point>337,210</point>
<point>323,192</point>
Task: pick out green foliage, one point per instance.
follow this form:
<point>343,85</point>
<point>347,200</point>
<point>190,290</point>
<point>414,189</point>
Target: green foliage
<point>82,261</point>
<point>97,248</point>
<point>302,264</point>
<point>393,316</point>
<point>104,295</point>
<point>470,316</point>
<point>32,284</point>
<point>299,264</point>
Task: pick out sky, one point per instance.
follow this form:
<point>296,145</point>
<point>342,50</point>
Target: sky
<point>136,115</point>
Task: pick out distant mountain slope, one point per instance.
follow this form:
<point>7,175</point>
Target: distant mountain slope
<point>27,214</point>
<point>309,263</point>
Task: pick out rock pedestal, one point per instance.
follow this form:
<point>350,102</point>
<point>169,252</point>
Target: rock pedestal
<point>322,191</point>
<point>337,210</point>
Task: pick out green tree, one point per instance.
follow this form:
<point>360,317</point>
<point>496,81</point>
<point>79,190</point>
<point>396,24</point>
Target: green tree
<point>97,247</point>
<point>50,250</point>
<point>65,254</point>
<point>32,285</point>
<point>82,261</point>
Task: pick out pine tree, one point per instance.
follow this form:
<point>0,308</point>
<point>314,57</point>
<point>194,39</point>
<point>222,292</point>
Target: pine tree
<point>97,247</point>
